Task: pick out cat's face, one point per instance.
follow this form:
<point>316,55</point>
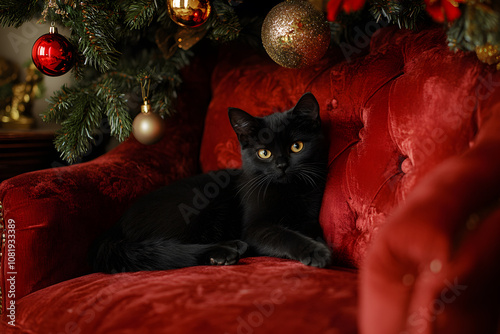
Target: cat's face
<point>283,147</point>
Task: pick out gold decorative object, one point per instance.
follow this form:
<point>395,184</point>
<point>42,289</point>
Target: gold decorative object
<point>148,127</point>
<point>489,54</point>
<point>189,13</point>
<point>15,104</point>
<point>295,34</point>
<point>184,38</point>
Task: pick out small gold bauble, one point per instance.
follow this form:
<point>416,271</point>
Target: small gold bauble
<point>189,13</point>
<point>148,127</point>
<point>295,34</point>
<point>489,54</point>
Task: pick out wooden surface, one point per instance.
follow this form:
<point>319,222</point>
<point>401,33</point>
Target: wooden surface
<point>25,151</point>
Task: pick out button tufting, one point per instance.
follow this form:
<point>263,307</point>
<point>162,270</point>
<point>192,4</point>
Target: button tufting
<point>408,279</point>
<point>406,165</point>
<point>334,103</point>
<point>473,221</point>
<point>436,266</point>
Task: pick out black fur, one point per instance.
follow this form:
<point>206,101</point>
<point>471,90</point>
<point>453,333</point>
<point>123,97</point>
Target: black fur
<point>270,206</point>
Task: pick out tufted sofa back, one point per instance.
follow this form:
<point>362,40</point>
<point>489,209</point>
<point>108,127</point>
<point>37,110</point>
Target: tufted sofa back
<point>391,116</point>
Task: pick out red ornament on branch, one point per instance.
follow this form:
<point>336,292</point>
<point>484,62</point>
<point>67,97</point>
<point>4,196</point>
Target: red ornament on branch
<point>441,10</point>
<point>348,6</point>
<point>52,54</point>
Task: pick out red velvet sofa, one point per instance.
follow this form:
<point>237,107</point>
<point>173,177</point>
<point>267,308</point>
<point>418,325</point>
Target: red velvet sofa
<point>410,211</point>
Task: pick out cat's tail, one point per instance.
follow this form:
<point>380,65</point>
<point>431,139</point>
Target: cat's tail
<point>114,254</point>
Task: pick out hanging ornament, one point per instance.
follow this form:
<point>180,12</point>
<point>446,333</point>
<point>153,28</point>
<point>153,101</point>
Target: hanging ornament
<point>189,13</point>
<point>489,54</point>
<point>148,127</point>
<point>52,54</point>
<point>295,34</point>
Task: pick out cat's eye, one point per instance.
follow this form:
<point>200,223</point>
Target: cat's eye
<point>264,153</point>
<point>297,147</point>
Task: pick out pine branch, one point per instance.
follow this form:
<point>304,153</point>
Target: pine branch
<point>115,41</point>
<point>95,27</point>
<point>226,24</point>
<point>60,105</point>
<point>115,108</point>
<point>16,12</point>
<point>74,138</point>
<point>404,13</point>
<point>139,14</point>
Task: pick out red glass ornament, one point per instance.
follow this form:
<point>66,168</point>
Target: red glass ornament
<point>52,54</point>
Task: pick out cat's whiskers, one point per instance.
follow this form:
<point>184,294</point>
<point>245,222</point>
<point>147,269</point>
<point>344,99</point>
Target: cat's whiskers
<point>311,173</point>
<point>252,185</point>
<point>269,179</point>
<point>259,185</point>
<point>307,179</point>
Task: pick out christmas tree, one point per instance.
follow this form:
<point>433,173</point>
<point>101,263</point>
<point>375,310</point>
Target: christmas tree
<point>122,46</point>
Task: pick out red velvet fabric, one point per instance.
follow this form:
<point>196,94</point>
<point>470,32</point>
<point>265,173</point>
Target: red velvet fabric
<point>264,295</point>
<point>450,286</point>
<point>413,132</point>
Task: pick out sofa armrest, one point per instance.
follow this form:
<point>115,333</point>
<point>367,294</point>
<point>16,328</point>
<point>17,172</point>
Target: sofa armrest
<point>433,267</point>
<point>55,214</point>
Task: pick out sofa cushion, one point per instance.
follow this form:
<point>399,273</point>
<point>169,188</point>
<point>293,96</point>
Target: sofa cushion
<point>264,295</point>
<point>391,116</point>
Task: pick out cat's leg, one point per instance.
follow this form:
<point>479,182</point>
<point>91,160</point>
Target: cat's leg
<point>224,253</point>
<point>282,242</point>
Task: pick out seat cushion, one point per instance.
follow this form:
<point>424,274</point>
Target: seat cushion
<point>258,295</point>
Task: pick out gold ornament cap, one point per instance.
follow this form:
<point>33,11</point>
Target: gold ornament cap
<point>146,107</point>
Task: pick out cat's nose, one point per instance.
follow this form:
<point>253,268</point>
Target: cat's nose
<point>281,164</point>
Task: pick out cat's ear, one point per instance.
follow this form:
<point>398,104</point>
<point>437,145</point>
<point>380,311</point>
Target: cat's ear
<point>242,122</point>
<point>307,106</point>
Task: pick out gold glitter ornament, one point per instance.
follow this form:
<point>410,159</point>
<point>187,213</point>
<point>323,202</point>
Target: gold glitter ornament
<point>489,54</point>
<point>295,34</point>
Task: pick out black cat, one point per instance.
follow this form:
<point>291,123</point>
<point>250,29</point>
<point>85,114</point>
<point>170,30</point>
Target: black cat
<point>268,208</point>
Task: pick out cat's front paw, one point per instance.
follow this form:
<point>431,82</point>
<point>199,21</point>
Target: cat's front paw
<point>316,255</point>
<point>226,253</point>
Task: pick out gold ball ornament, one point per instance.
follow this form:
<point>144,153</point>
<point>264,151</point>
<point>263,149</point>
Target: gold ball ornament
<point>189,13</point>
<point>148,127</point>
<point>295,34</point>
<point>489,54</point>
